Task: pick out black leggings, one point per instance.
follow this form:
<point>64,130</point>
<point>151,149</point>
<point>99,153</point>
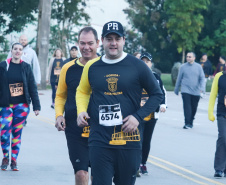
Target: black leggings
<point>53,85</point>
<point>148,129</point>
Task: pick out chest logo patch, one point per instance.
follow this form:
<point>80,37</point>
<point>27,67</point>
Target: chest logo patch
<point>112,84</point>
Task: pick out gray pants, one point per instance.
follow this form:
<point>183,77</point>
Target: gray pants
<point>220,155</point>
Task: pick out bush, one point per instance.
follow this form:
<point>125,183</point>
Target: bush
<point>3,57</point>
<point>174,72</point>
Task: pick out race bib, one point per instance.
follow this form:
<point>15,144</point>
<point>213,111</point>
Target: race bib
<point>16,89</point>
<point>110,115</point>
<point>57,70</point>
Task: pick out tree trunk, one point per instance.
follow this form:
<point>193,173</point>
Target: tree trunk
<point>43,39</point>
<point>38,28</point>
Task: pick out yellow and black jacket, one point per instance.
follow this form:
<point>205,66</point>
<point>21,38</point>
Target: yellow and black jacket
<point>65,96</point>
<point>218,88</point>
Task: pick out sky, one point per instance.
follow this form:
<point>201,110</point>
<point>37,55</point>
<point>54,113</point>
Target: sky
<point>103,11</point>
<point>100,11</point>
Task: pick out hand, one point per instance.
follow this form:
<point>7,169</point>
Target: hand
<point>176,92</point>
<point>211,117</point>
<point>130,124</point>
<point>81,120</point>
<point>60,123</point>
<point>162,109</point>
<point>36,112</point>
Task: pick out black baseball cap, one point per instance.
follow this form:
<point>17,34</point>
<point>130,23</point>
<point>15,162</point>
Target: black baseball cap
<point>113,27</point>
<point>74,47</point>
<point>146,55</point>
<point>223,57</point>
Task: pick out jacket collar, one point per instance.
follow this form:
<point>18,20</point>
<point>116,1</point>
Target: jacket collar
<point>8,62</point>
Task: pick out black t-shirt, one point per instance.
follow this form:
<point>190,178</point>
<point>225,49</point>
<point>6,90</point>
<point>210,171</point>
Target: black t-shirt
<point>116,91</point>
<point>207,68</point>
<point>55,72</point>
<point>15,81</point>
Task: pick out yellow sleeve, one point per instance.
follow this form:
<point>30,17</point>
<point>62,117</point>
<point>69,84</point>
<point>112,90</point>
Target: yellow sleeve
<point>84,89</point>
<point>61,94</point>
<point>213,96</point>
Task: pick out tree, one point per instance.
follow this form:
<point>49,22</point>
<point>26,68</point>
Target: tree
<point>148,18</point>
<point>208,41</point>
<point>185,22</point>
<point>69,14</point>
<point>14,15</point>
<point>133,41</point>
<point>43,38</point>
<point>220,37</point>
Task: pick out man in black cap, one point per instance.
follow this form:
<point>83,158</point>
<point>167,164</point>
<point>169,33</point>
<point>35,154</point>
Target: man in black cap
<point>149,122</point>
<point>73,54</point>
<point>116,81</point>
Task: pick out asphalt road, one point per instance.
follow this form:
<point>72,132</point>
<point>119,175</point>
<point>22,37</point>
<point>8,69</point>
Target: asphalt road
<point>177,157</point>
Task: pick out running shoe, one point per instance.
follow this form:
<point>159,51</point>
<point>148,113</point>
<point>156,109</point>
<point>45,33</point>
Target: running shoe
<point>218,174</point>
<point>25,123</point>
<point>143,170</point>
<point>5,163</point>
<point>53,106</point>
<point>138,173</point>
<point>14,166</point>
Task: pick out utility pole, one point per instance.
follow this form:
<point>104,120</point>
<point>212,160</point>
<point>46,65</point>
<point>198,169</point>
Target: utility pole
<point>43,38</point>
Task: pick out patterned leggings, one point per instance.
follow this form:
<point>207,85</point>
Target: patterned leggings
<point>11,121</point>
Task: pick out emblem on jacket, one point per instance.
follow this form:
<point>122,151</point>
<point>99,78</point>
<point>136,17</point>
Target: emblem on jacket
<point>112,84</point>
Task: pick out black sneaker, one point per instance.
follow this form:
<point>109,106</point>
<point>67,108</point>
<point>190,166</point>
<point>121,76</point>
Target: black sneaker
<point>25,123</point>
<point>218,174</point>
<point>5,163</point>
<point>143,170</point>
<point>138,173</point>
<point>187,126</point>
<point>14,166</point>
<point>52,106</point>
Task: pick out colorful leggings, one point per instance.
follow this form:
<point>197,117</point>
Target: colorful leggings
<point>12,119</point>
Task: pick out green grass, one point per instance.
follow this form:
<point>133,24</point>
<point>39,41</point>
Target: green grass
<point>167,82</point>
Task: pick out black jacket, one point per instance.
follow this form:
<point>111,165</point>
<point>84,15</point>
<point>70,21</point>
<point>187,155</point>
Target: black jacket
<point>30,88</point>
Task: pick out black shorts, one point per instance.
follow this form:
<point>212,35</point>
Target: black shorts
<point>119,164</point>
<point>78,150</point>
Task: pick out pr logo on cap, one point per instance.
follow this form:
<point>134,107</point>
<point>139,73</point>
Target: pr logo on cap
<point>113,27</point>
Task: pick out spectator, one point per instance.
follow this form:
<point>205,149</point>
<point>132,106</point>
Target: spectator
<point>55,65</point>
<point>221,65</point>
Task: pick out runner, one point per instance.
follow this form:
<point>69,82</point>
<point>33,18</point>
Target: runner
<point>150,121</point>
<point>17,90</point>
<point>116,81</point>
<point>55,65</point>
<point>219,90</point>
<point>65,102</point>
<point>73,54</point>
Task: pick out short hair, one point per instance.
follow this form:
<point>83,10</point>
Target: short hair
<point>17,43</point>
<point>194,55</point>
<point>88,29</point>
<point>54,53</point>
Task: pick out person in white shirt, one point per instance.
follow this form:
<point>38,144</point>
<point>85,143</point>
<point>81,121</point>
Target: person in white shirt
<point>29,56</point>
